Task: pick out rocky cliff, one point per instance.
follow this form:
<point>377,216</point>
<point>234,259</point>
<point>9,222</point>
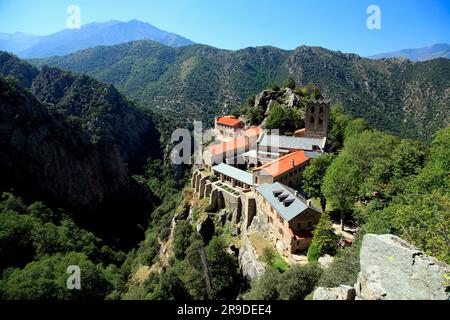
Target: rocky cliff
<point>44,157</point>
<point>392,269</point>
<point>102,112</point>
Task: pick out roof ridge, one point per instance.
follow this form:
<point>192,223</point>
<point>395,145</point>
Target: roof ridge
<point>280,159</point>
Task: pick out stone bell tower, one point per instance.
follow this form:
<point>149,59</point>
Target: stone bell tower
<point>316,119</point>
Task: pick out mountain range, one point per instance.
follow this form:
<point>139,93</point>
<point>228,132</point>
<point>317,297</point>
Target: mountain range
<point>411,99</point>
<point>91,35</point>
<point>441,50</point>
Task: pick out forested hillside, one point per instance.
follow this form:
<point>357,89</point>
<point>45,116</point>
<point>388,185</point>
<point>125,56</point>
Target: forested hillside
<point>68,148</point>
<point>74,143</point>
<point>395,95</point>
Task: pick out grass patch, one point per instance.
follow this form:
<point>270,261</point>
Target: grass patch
<point>279,263</point>
<point>267,253</point>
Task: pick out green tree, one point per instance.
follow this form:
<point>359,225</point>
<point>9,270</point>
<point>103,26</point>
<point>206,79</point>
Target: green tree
<point>344,178</point>
<point>290,83</point>
<point>46,279</point>
<point>298,282</point>
<point>171,286</point>
<point>222,269</point>
<point>355,126</point>
<point>314,175</point>
<point>284,118</point>
<point>182,239</point>
<point>265,288</point>
<point>337,123</point>
<point>340,186</point>
<point>325,240</point>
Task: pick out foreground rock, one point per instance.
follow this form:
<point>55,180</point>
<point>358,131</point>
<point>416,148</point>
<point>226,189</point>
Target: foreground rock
<point>340,293</point>
<point>393,269</point>
<point>251,267</point>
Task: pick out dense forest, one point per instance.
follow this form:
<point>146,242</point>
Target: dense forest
<point>409,99</point>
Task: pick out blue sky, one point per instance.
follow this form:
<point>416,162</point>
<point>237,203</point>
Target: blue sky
<point>235,24</point>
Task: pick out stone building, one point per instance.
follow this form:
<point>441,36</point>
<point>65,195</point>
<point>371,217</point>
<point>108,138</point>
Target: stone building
<point>235,177</point>
<point>232,151</point>
<point>227,127</point>
<point>316,119</point>
<point>287,170</point>
<point>289,216</point>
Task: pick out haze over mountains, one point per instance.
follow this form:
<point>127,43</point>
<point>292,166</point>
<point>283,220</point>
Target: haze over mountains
<point>91,35</point>
<point>440,50</point>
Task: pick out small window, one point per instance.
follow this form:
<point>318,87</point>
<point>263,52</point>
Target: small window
<point>311,120</point>
<point>321,110</point>
<point>310,224</point>
<point>320,120</point>
<point>313,109</point>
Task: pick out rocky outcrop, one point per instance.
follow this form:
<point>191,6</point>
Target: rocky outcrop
<point>264,98</point>
<point>326,261</point>
<point>340,293</point>
<point>285,96</point>
<point>393,269</point>
<point>251,267</point>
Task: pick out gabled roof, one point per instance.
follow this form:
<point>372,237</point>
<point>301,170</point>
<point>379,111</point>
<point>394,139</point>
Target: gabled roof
<point>239,143</point>
<point>284,164</point>
<point>230,121</point>
<point>235,173</point>
<point>276,192</point>
<point>291,143</point>
<point>224,147</point>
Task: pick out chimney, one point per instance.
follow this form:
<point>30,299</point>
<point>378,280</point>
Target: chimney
<point>308,203</point>
<point>293,162</point>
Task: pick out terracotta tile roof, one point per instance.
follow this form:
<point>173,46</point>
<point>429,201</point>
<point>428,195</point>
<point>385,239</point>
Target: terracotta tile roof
<point>229,121</point>
<point>237,143</point>
<point>285,163</point>
<point>252,132</point>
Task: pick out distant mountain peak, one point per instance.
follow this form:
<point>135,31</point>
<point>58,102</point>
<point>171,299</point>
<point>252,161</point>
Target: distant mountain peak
<point>438,50</point>
<point>90,35</point>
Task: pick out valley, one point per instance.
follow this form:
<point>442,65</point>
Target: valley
<point>86,176</point>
